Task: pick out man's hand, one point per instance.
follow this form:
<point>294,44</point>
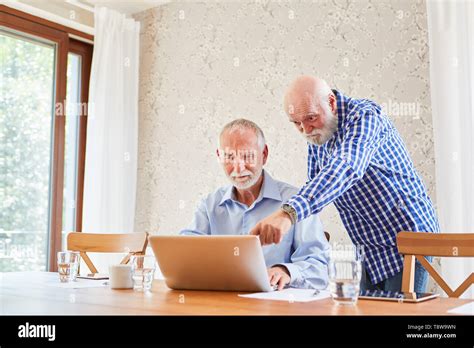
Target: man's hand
<point>272,228</point>
<point>279,275</point>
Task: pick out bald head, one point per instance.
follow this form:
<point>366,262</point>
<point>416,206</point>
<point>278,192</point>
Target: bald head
<point>305,90</point>
<point>311,105</point>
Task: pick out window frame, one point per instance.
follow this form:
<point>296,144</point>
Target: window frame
<point>31,25</point>
<point>85,51</point>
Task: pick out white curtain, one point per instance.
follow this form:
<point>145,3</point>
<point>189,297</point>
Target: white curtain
<point>112,129</point>
<point>451,42</point>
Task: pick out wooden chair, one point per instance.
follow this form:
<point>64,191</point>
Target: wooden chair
<point>417,245</point>
<point>131,243</point>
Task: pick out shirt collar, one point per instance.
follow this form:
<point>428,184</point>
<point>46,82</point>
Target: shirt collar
<point>269,189</point>
<point>341,101</point>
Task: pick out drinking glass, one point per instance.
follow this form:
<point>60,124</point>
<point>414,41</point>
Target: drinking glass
<point>143,270</point>
<point>68,265</point>
<point>345,272</point>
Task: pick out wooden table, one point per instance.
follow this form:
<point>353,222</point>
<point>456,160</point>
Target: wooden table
<point>27,294</point>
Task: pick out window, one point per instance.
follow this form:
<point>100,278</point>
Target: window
<point>26,106</point>
<point>78,72</point>
<point>44,77</point>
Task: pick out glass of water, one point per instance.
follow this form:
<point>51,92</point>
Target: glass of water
<point>68,265</point>
<point>345,272</point>
<point>143,270</point>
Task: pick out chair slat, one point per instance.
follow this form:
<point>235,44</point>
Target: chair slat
<point>436,244</point>
<point>106,243</point>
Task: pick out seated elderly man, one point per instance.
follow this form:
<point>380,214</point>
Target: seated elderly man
<point>300,259</point>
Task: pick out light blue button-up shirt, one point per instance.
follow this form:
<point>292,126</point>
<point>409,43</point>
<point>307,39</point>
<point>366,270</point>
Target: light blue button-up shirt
<point>304,250</point>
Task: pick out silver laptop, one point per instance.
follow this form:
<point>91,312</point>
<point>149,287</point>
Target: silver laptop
<point>233,263</point>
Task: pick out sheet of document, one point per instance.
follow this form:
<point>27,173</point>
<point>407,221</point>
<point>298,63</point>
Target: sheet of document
<point>466,309</point>
<point>79,284</point>
<point>290,295</point>
<point>41,279</point>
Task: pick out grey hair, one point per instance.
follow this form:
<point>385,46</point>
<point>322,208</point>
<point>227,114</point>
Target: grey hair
<point>241,124</point>
<point>322,93</point>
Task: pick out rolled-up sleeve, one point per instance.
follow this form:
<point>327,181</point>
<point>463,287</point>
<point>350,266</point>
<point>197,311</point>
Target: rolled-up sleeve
<point>309,261</point>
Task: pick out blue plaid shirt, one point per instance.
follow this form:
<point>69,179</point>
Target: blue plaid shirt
<point>365,170</point>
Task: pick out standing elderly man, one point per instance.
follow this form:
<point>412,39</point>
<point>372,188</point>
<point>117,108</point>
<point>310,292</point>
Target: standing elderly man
<point>300,260</point>
<point>356,160</point>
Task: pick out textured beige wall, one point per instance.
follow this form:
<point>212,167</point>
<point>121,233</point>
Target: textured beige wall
<point>203,64</point>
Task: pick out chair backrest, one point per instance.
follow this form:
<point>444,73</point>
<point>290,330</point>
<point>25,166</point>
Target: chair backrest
<point>130,243</point>
<point>416,245</point>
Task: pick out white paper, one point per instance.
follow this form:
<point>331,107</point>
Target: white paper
<point>466,309</point>
<point>290,295</point>
<point>79,284</point>
<point>50,279</point>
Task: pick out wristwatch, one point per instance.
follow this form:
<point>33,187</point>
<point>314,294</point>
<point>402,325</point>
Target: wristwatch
<point>291,212</point>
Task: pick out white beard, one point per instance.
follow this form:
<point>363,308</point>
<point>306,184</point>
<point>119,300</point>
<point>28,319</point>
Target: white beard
<point>243,185</point>
<point>321,136</point>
